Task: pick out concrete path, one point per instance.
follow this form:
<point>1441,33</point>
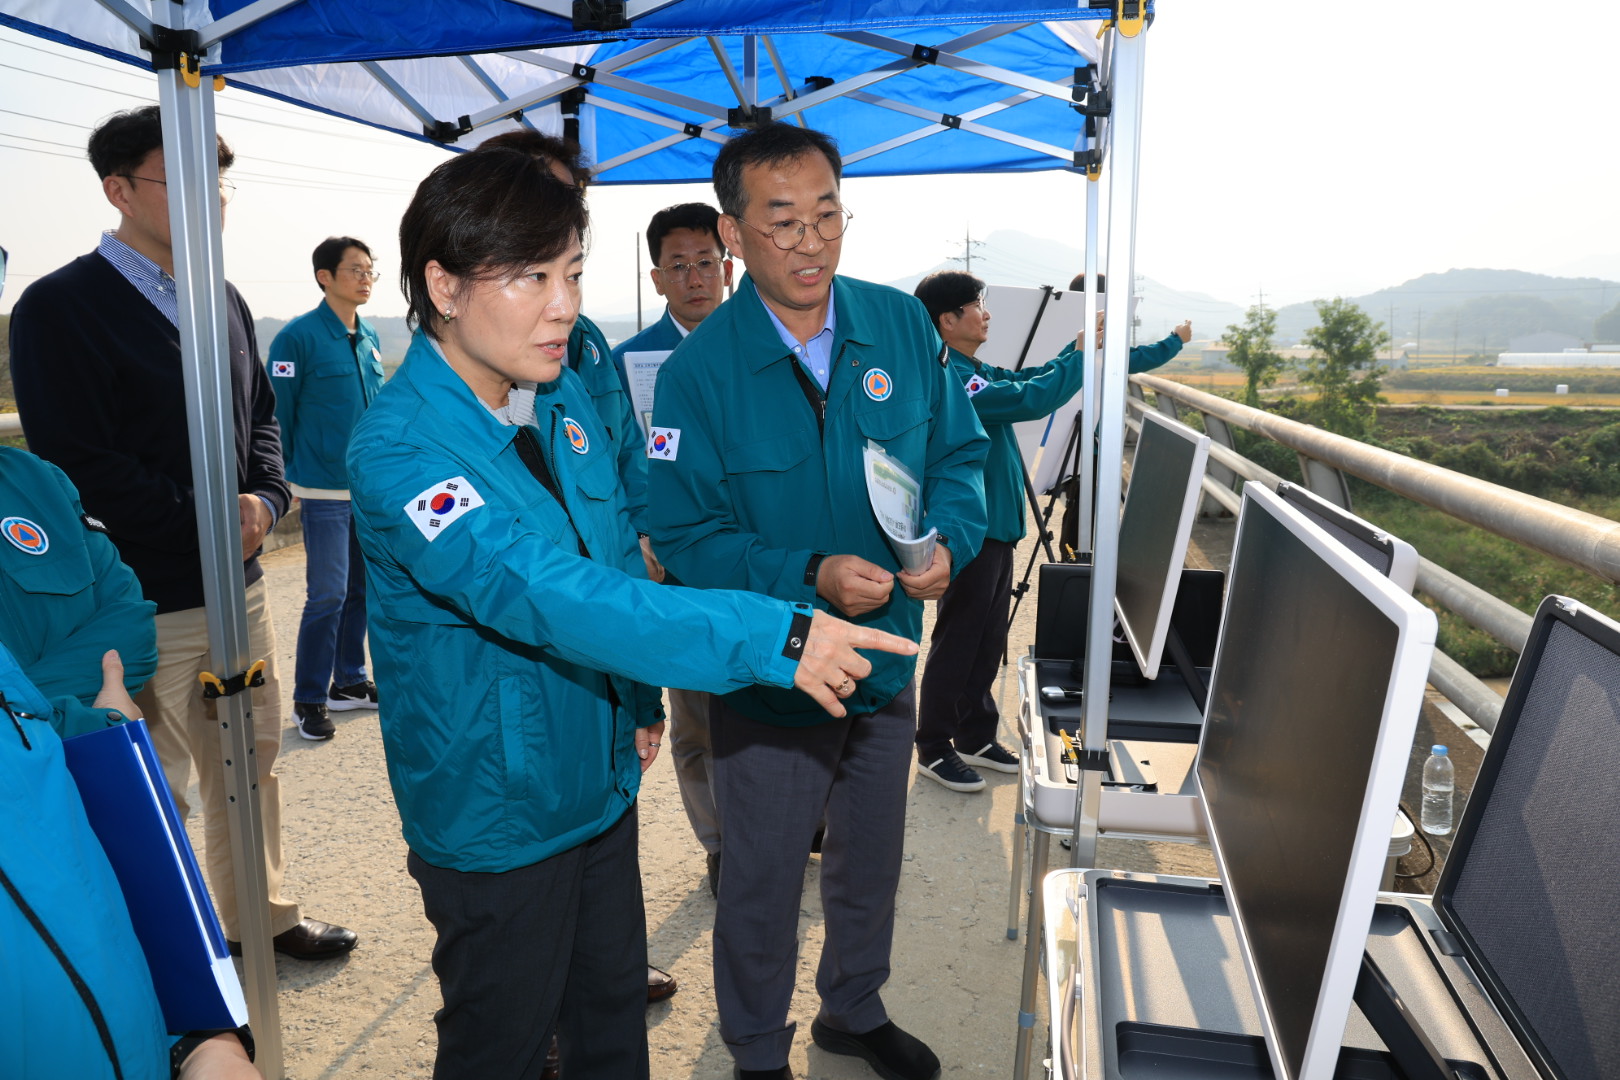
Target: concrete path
<point>955,980</point>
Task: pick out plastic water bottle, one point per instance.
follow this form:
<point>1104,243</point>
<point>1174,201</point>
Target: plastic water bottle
<point>1439,781</point>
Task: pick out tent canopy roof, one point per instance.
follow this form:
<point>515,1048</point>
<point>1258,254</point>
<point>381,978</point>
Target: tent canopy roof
<point>906,86</point>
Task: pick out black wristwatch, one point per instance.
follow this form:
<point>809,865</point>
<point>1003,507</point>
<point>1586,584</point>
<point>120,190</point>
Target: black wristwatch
<point>189,1042</point>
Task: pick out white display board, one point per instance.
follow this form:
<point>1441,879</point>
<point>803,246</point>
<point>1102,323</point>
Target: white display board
<point>1013,309</point>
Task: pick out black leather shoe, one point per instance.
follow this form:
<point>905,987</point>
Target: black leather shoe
<point>892,1053</point>
<point>309,940</point>
<point>660,984</point>
<point>784,1073</point>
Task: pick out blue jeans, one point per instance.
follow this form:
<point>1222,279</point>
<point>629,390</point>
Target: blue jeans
<point>332,635</point>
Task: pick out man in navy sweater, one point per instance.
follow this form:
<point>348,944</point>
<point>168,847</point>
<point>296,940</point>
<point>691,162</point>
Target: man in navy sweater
<point>95,359</point>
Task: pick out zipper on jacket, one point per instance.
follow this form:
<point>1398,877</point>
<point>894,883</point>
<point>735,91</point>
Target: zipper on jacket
<point>814,394</point>
<point>534,457</point>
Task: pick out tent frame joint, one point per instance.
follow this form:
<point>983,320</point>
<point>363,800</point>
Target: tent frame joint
<point>925,54</point>
<point>174,49</point>
<point>600,16</point>
<point>748,116</point>
<point>447,131</point>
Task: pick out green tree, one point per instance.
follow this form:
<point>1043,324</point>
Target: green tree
<point>1343,368</point>
<point>1249,348</point>
<point>1607,327</point>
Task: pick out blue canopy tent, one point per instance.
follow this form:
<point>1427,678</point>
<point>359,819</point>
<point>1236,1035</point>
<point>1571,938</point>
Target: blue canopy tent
<point>650,88</point>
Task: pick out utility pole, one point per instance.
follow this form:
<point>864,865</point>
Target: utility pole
<point>1392,331</point>
<point>1260,297</point>
<point>968,244</point>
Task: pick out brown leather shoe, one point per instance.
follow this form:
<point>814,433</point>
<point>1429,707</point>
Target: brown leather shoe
<point>309,940</point>
<point>553,1066</point>
<point>660,984</point>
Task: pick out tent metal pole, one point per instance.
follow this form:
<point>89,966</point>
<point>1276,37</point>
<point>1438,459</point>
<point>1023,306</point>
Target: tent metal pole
<point>195,221</point>
<point>1091,393</point>
<point>1123,160</point>
<point>240,19</point>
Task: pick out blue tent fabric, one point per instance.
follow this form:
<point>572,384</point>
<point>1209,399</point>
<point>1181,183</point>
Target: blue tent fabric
<point>418,69</point>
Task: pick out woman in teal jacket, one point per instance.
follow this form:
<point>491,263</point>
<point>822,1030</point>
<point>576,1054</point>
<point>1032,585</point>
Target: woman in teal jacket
<point>517,640</point>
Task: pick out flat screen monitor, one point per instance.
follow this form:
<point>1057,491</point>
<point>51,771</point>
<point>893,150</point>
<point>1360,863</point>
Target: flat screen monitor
<point>1528,889</point>
<point>1154,525</point>
<point>1389,555</point>
<point>1313,704</point>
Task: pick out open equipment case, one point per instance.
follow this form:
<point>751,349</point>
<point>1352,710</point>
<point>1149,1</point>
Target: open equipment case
<point>1511,971</point>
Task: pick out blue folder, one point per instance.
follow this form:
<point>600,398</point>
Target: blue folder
<point>127,800</point>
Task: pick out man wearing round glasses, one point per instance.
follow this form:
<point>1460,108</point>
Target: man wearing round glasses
<point>692,272</point>
<point>757,481</point>
<point>326,366</point>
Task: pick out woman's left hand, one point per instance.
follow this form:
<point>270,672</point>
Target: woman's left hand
<point>648,740</point>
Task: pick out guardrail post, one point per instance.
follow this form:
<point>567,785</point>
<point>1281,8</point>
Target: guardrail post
<point>1220,435</point>
<point>1326,481</point>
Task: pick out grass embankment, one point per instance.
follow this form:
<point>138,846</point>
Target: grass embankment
<point>1567,457</point>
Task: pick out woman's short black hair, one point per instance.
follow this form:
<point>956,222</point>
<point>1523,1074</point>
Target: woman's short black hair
<point>483,216</point>
<point>947,290</point>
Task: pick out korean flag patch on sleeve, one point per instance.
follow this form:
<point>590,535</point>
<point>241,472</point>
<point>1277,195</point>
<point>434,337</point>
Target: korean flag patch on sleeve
<point>433,510</point>
<point>283,369</point>
<point>664,443</point>
<point>975,384</point>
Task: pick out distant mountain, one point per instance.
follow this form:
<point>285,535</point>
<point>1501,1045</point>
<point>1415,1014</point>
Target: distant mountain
<point>1478,310</point>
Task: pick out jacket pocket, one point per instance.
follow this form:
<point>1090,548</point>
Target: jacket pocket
<point>778,453</point>
<point>901,428</point>
<point>64,569</point>
<point>515,723</point>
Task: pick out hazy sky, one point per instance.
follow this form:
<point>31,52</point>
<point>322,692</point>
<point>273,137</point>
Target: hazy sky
<point>1320,152</point>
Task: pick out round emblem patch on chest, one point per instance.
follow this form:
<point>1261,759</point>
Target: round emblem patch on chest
<point>25,535</point>
<point>878,385</point>
<point>596,357</point>
<point>576,435</point>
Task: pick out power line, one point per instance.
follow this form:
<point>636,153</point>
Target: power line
<point>258,178</point>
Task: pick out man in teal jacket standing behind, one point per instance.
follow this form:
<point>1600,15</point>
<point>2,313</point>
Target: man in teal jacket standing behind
<point>326,367</point>
<point>957,715</point>
<point>756,481</point>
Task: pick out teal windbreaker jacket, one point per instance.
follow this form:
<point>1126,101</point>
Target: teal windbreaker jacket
<point>1003,398</point>
<point>65,596</point>
<point>589,357</point>
<point>51,860</point>
<point>322,386</point>
<point>748,483</point>
<point>512,671</point>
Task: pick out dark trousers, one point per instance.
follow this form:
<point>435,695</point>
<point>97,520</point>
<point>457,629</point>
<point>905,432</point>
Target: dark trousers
<point>560,944</point>
<point>970,636</point>
<point>773,786</point>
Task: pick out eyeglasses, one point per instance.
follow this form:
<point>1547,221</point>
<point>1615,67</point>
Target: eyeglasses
<point>227,190</point>
<point>979,303</point>
<point>359,273</point>
<point>704,268</point>
<point>788,235</point>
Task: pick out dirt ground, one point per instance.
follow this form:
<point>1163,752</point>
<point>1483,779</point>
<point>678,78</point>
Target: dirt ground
<point>956,975</point>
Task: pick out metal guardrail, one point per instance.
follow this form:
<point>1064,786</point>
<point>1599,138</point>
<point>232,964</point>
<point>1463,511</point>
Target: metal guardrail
<point>1583,540</point>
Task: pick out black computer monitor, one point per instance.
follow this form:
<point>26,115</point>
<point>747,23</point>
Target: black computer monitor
<point>1154,526</point>
<point>1313,703</point>
<point>1528,889</point>
<point>1389,555</point>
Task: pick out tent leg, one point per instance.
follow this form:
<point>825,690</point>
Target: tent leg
<point>1124,132</point>
<point>1086,481</point>
<point>195,220</point>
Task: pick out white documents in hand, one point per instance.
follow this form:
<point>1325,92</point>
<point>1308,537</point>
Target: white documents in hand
<point>896,499</point>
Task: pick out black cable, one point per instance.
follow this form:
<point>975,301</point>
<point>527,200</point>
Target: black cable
<point>1428,847</point>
